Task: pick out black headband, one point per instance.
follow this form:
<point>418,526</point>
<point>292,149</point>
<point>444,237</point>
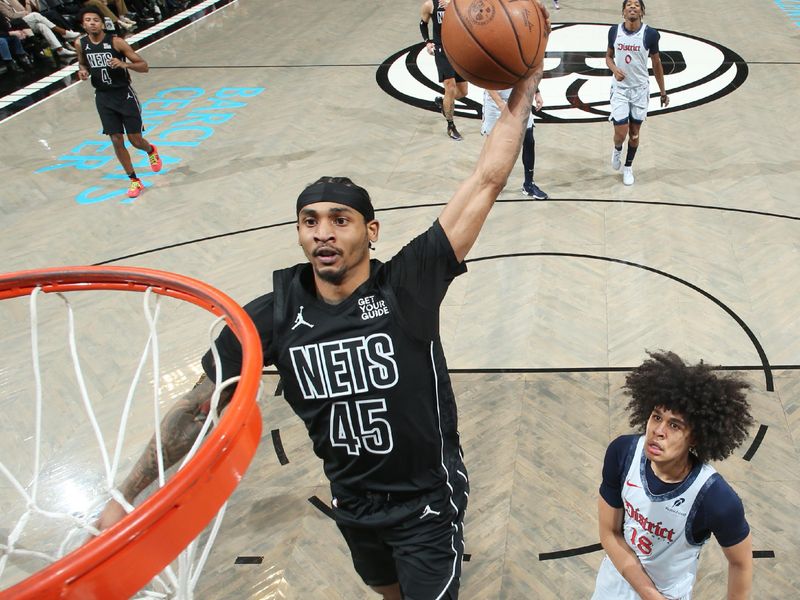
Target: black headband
<point>339,193</point>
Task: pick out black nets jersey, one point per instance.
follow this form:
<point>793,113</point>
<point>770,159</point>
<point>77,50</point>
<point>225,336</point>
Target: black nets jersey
<point>367,376</point>
<point>98,56</point>
<point>436,17</point>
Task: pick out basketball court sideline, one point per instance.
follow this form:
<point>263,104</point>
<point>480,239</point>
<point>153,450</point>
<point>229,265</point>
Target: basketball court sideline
<point>563,296</point>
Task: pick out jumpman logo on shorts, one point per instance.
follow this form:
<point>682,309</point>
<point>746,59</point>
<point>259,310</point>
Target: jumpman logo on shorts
<point>299,320</point>
<point>429,511</point>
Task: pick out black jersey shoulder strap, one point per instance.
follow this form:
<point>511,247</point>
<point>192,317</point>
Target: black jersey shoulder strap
<point>281,280</point>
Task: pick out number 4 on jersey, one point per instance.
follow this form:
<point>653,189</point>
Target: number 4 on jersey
<point>366,429</point>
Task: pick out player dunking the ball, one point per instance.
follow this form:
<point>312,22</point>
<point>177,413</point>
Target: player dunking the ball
<point>660,500</point>
<point>630,45</point>
<point>454,85</point>
<point>102,57</point>
<point>356,342</point>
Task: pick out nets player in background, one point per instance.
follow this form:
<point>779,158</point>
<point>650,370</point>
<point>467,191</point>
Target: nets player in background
<point>630,44</point>
<point>356,342</point>
<point>660,500</point>
<point>493,103</point>
<point>454,85</point>
<point>104,57</point>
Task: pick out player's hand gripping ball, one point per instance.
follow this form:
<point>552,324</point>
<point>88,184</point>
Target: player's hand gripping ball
<point>494,43</point>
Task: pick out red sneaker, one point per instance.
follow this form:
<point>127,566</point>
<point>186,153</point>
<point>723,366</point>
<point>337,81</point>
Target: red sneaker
<point>155,159</point>
<point>135,188</point>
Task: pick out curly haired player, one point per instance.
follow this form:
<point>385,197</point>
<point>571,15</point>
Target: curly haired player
<point>659,499</point>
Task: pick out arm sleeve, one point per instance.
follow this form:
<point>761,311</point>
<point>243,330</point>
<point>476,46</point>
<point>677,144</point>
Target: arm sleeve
<point>651,38</point>
<point>423,29</point>
<point>613,467</point>
<point>229,348</point>
<point>721,513</point>
<point>612,36</point>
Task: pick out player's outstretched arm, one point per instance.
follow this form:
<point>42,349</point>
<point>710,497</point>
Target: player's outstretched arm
<point>467,210</point>
<point>179,429</point>
<point>624,559</point>
<point>740,569</point>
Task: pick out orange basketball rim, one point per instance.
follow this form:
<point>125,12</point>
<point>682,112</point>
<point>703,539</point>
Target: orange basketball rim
<point>122,559</point>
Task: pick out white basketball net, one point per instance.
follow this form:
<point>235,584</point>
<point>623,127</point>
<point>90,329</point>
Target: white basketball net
<point>177,580</point>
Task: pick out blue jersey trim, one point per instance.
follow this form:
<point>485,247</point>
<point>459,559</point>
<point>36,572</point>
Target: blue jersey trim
<point>651,37</point>
<point>697,502</point>
<point>673,493</point>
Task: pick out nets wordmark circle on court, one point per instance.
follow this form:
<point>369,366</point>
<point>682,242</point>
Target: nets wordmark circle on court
<point>576,80</point>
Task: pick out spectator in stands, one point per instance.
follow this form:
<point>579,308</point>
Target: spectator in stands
<point>68,9</point>
<point>119,7</point>
<point>145,12</point>
<point>48,9</point>
<point>55,10</point>
<point>12,53</point>
<point>40,24</point>
<point>120,20</point>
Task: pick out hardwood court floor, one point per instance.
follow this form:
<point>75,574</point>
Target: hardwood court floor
<point>700,256</point>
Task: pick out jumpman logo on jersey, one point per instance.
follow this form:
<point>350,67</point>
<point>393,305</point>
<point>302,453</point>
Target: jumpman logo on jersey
<point>299,320</point>
<point>429,511</point>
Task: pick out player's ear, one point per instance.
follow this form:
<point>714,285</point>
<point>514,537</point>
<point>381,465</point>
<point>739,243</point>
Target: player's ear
<point>692,443</point>
<point>373,227</point>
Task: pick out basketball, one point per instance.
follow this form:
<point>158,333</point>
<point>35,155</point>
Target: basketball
<point>494,43</point>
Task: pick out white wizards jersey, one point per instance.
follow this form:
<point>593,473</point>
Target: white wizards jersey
<point>491,112</point>
<point>631,57</point>
<point>659,527</point>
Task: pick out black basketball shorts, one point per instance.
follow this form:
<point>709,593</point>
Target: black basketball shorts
<point>423,551</point>
<point>444,67</point>
<point>119,110</point>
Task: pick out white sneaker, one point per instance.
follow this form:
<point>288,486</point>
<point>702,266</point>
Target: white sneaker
<point>66,52</point>
<point>627,175</point>
<point>125,26</point>
<point>71,35</point>
<point>616,159</point>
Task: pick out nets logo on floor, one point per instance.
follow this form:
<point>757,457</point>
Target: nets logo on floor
<point>577,82</point>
